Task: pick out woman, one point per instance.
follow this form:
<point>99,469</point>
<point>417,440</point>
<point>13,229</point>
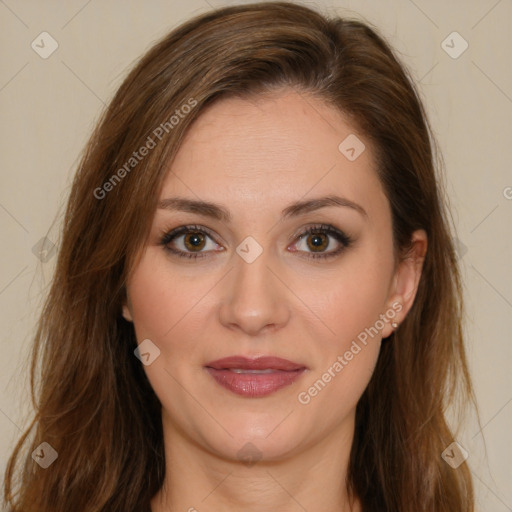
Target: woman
<point>256,304</point>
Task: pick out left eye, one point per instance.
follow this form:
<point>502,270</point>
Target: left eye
<point>317,239</point>
<point>189,242</point>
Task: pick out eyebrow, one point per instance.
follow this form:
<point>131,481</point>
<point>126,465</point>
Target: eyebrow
<point>218,212</point>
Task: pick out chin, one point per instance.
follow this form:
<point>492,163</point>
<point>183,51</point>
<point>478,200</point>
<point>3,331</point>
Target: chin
<point>257,438</point>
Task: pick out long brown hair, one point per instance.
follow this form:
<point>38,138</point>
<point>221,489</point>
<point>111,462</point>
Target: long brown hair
<point>93,402</point>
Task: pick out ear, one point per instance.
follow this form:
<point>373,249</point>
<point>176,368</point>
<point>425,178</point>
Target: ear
<point>405,280</point>
<point>126,309</point>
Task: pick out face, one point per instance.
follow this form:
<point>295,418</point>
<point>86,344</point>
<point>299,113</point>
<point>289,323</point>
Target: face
<point>315,284</point>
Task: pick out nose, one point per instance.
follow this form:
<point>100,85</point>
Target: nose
<point>255,300</point>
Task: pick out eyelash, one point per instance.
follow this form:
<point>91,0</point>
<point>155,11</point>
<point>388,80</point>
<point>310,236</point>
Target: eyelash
<point>340,236</point>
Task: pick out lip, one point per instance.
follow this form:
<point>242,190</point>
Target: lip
<point>279,373</point>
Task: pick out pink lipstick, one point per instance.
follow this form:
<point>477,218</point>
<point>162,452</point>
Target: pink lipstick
<point>254,377</point>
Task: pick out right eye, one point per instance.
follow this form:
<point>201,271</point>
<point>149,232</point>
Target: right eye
<point>190,241</point>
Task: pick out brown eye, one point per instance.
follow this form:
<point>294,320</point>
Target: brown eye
<point>194,241</point>
<point>190,242</point>
<point>317,242</point>
<point>322,241</point>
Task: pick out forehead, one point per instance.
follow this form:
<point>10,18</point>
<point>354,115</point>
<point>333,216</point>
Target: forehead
<point>272,150</point>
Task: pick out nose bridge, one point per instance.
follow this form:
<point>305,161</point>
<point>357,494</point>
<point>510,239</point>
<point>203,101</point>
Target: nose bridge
<point>254,298</point>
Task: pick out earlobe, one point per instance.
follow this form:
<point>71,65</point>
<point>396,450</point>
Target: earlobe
<point>126,313</point>
<point>126,309</point>
<point>406,280</point>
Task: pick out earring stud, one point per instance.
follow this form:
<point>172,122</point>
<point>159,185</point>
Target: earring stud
<point>394,325</point>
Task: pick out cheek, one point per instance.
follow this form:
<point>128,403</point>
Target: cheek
<point>347,352</point>
<point>152,303</point>
<point>160,304</point>
<point>333,393</point>
<point>160,299</point>
<point>350,302</point>
<point>351,299</point>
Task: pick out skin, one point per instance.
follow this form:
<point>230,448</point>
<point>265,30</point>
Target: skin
<point>255,157</point>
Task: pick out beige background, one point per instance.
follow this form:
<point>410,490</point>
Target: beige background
<point>49,107</point>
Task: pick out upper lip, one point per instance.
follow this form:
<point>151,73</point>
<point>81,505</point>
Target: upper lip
<point>258,363</point>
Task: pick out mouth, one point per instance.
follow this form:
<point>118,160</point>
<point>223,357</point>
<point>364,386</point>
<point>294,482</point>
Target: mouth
<point>254,377</point>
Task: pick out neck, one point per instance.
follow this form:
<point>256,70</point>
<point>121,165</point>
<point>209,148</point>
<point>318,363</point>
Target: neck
<point>310,479</point>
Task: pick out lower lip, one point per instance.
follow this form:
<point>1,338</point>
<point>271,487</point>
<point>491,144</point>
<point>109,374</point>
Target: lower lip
<point>254,384</point>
